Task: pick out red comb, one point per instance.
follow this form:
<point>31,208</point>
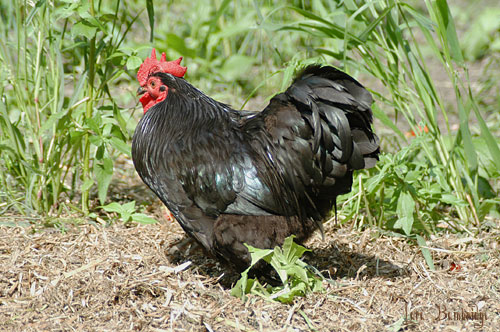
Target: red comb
<point>151,65</point>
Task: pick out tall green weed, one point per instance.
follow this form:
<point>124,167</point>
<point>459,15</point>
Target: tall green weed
<point>63,122</point>
<point>393,42</point>
<point>61,125</point>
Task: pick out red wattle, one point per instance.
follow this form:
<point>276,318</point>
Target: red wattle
<point>147,101</point>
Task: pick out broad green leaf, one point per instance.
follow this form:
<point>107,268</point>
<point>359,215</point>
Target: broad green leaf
<point>94,124</point>
<point>405,209</point>
<point>241,288</point>
<point>86,184</point>
<point>413,176</point>
<point>453,200</point>
<point>425,252</point>
<point>101,149</point>
<point>484,188</point>
<point>495,45</point>
<point>119,118</point>
<point>133,62</point>
<point>97,23</point>
<point>235,65</point>
<point>121,146</point>
<point>84,29</point>
<point>97,141</point>
<point>257,254</point>
<point>317,285</point>
<point>277,262</point>
<point>126,210</point>
<point>65,12</point>
<point>129,207</point>
<point>143,219</point>
<point>292,250</point>
<point>297,279</point>
<point>103,172</point>
<point>83,11</point>
<point>297,271</point>
<point>113,207</point>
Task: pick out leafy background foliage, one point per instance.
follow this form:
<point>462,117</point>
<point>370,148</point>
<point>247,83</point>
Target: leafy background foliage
<point>68,106</point>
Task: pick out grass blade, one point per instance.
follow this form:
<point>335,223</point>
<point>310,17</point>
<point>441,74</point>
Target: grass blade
<point>151,17</point>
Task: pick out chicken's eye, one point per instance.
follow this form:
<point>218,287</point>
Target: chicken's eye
<point>153,84</point>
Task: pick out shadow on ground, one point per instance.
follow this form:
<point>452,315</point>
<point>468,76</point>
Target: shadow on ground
<point>335,261</point>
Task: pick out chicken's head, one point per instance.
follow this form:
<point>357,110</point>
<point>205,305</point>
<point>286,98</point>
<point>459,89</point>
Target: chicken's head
<point>151,87</point>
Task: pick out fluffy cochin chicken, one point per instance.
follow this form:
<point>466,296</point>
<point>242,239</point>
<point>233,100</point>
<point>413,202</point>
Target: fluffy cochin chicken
<point>233,177</point>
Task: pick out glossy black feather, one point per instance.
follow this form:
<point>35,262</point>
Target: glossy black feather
<point>234,177</point>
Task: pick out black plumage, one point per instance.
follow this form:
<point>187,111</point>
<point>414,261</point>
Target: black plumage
<point>233,177</point>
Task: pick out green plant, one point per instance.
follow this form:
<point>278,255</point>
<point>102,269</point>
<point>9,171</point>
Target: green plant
<point>63,117</point>
<point>483,35</point>
<point>60,124</point>
<point>384,39</point>
<point>296,278</point>
<point>412,195</point>
<point>66,72</point>
<point>128,213</point>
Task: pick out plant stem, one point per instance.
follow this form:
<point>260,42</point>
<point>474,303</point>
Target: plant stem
<point>88,115</point>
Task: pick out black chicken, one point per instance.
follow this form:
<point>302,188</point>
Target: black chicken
<point>233,177</point>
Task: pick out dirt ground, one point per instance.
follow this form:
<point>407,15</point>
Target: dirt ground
<point>119,278</point>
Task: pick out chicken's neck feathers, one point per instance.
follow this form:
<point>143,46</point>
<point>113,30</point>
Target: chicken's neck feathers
<point>188,115</point>
<point>186,130</point>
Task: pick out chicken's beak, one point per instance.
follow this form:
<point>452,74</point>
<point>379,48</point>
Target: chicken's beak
<point>141,91</point>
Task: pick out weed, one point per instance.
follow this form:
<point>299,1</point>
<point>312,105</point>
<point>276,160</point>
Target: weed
<point>60,125</point>
<point>63,121</point>
<point>296,278</point>
<point>387,37</point>
<point>127,213</point>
